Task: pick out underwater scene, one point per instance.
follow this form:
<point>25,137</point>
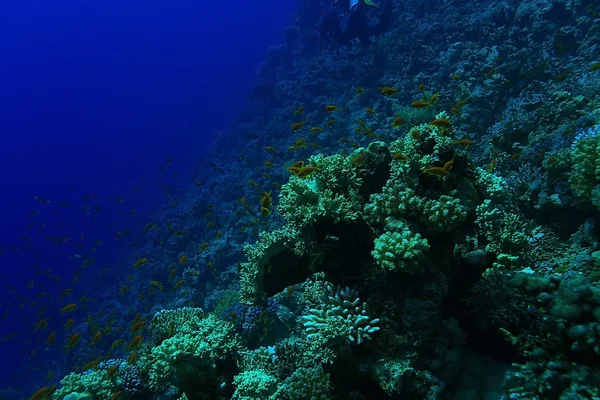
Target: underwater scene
<point>300,200</point>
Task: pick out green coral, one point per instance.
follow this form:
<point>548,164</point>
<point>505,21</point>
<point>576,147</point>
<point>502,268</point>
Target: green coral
<point>493,186</point>
<point>396,199</point>
<point>269,245</point>
<point>443,215</point>
<point>504,231</point>
<point>390,374</point>
<point>180,320</point>
<point>330,193</point>
<point>341,316</point>
<point>306,383</point>
<point>255,384</point>
<point>91,384</point>
<point>400,249</point>
<point>584,179</point>
<point>212,340</point>
<point>302,203</point>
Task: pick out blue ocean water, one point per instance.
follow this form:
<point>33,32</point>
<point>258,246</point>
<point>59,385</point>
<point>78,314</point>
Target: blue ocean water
<point>95,97</point>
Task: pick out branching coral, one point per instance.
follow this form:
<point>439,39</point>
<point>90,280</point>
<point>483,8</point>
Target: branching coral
<point>585,177</point>
<point>213,340</point>
<point>166,323</point>
<point>341,311</point>
<point>400,249</point>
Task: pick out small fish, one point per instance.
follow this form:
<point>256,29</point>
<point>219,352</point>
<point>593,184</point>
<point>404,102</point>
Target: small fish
<point>370,3</point>
<point>41,199</point>
<point>299,110</point>
<point>68,308</point>
<point>594,67</point>
<point>419,104</point>
<point>137,326</point>
<point>398,122</point>
<point>51,338</point>
<point>330,108</point>
<point>441,123</point>
<point>296,126</point>
<point>436,171</point>
<point>72,342</point>
<point>135,342</point>
<point>178,284</point>
<point>133,358</point>
<point>111,372</point>
<point>386,90</point>
<point>41,325</point>
<point>44,393</point>
<point>464,142</point>
<point>96,338</point>
<point>90,365</point>
<point>34,213</point>
<point>289,291</point>
<point>140,263</point>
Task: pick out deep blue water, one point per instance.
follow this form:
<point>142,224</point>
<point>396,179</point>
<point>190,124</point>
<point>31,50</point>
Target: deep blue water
<point>94,97</point>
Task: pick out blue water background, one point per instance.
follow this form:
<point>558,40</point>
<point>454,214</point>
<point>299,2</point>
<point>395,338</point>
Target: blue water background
<point>94,97</point>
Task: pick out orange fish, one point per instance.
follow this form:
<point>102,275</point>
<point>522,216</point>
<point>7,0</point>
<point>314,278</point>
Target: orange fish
<point>51,338</point>
<point>441,122</point>
<point>388,91</point>
<point>69,323</point>
<point>464,142</point>
<point>111,372</point>
<point>72,342</point>
<point>398,122</point>
<point>436,171</point>
<point>68,308</point>
<point>296,126</point>
<point>91,365</point>
<point>178,284</point>
<point>138,326</point>
<point>133,357</point>
<point>116,395</point>
<point>44,393</point>
<point>135,342</point>
<point>400,157</point>
<point>96,338</point>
